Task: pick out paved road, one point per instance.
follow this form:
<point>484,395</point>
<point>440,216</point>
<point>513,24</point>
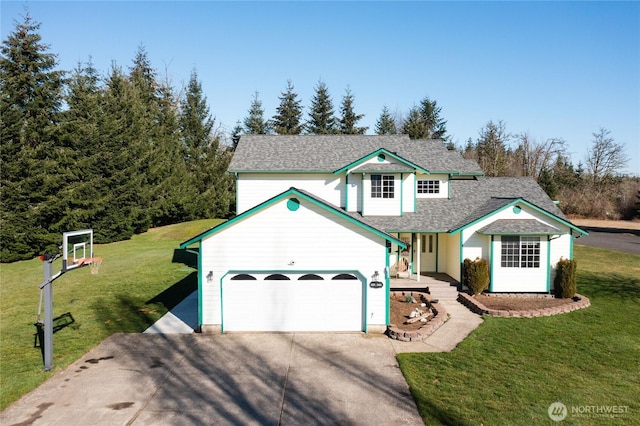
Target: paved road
<point>626,240</point>
<point>192,379</point>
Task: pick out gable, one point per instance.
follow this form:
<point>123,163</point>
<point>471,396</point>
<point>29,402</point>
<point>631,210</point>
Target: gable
<point>292,199</point>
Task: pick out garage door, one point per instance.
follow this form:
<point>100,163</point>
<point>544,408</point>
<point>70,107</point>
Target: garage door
<point>292,302</point>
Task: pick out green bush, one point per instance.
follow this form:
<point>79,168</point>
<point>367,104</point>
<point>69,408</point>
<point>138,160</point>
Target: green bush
<point>565,282</point>
<point>476,275</point>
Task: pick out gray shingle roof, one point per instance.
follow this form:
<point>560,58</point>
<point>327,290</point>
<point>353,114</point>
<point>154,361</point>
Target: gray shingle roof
<point>328,153</point>
<point>518,226</point>
<point>470,200</point>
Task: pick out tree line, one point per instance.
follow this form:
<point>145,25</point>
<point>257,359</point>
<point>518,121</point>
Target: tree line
<point>127,151</point>
<point>423,121</point>
<point>118,153</point>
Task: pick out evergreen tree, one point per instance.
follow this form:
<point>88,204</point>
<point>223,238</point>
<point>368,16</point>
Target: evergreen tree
<point>206,162</point>
<point>255,123</point>
<point>287,120</point>
<point>414,125</point>
<point>349,120</point>
<point>30,101</point>
<point>386,125</point>
<point>321,118</point>
<point>424,121</point>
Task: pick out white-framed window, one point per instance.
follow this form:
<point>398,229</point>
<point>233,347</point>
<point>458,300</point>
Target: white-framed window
<point>382,186</point>
<point>428,187</point>
<point>520,252</point>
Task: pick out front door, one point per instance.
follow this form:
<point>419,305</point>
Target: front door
<point>428,249</point>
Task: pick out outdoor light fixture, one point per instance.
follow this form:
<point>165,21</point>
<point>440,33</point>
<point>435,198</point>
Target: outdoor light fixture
<point>210,276</point>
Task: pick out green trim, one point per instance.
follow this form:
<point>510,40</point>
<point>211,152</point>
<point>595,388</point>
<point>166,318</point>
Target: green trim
<point>548,264</point>
<point>460,258</point>
<point>491,264</point>
<point>237,192</point>
<point>518,233</point>
<point>293,204</point>
<point>413,261</point>
<point>415,192</point>
<point>571,244</point>
<point>277,198</point>
<point>200,284</point>
<point>386,153</point>
<point>513,203</point>
<point>401,194</point>
<point>287,171</point>
<point>346,192</point>
<point>449,187</point>
<point>387,281</point>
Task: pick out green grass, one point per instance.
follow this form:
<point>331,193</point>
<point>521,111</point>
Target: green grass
<point>137,283</point>
<point>510,370</point>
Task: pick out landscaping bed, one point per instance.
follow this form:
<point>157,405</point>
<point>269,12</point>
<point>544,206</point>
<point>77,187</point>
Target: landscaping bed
<point>522,305</point>
<point>408,327</point>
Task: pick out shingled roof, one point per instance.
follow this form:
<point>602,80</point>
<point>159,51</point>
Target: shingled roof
<point>328,153</point>
<point>469,201</point>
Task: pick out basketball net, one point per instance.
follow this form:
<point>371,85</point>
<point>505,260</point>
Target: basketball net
<point>95,265</point>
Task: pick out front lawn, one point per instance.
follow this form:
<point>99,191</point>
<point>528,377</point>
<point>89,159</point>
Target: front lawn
<point>137,283</point>
<point>510,370</point>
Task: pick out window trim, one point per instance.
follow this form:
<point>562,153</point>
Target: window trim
<point>428,186</point>
<point>522,252</point>
<point>383,186</point>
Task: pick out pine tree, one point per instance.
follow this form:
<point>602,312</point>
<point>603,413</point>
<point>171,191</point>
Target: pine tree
<point>424,121</point>
<point>414,125</point>
<point>206,162</point>
<point>255,123</point>
<point>287,120</point>
<point>321,118</point>
<point>30,102</point>
<point>386,125</point>
<point>349,120</point>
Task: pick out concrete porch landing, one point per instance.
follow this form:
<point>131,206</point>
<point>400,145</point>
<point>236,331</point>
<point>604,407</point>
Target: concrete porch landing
<point>441,286</point>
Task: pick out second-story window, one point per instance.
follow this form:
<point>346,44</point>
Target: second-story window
<point>382,186</point>
<point>428,187</point>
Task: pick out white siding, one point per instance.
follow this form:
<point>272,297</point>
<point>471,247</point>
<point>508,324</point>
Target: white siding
<point>408,192</point>
<point>277,239</point>
<point>381,206</point>
<point>355,192</point>
<point>444,185</point>
<point>515,280</point>
<point>255,188</point>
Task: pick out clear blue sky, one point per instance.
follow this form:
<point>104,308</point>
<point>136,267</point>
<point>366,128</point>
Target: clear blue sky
<point>553,69</point>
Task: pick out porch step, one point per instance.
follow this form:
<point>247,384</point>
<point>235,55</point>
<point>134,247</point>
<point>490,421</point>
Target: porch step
<point>438,288</point>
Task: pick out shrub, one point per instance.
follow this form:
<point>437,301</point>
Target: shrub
<point>565,281</point>
<point>476,275</point>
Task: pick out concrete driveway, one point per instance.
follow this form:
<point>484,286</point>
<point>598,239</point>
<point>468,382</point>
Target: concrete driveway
<point>192,379</point>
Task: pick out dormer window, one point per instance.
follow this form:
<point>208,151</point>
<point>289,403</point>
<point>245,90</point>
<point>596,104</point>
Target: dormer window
<point>382,186</point>
<point>428,187</point>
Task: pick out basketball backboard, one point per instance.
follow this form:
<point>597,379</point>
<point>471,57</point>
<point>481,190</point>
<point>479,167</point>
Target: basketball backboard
<point>77,248</point>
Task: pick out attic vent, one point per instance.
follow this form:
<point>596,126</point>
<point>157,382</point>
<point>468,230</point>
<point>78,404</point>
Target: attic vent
<point>381,158</point>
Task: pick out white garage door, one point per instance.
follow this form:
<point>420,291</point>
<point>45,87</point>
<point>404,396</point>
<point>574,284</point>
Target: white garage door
<point>292,302</point>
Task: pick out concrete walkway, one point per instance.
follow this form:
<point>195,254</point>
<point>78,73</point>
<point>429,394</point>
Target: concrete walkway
<point>182,319</point>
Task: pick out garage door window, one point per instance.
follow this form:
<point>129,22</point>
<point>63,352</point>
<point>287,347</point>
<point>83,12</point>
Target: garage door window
<point>277,277</point>
<point>344,277</point>
<point>244,277</point>
<point>309,277</point>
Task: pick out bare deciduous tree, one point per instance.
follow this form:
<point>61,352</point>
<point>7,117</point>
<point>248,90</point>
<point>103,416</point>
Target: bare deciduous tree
<point>606,157</point>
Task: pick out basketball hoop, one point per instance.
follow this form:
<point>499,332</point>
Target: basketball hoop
<point>95,264</point>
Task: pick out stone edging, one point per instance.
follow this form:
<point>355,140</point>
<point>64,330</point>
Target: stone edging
<point>580,302</point>
<point>439,318</point>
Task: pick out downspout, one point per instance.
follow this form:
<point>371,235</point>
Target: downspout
<point>200,284</point>
<point>437,249</point>
<point>419,251</point>
<point>460,259</point>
